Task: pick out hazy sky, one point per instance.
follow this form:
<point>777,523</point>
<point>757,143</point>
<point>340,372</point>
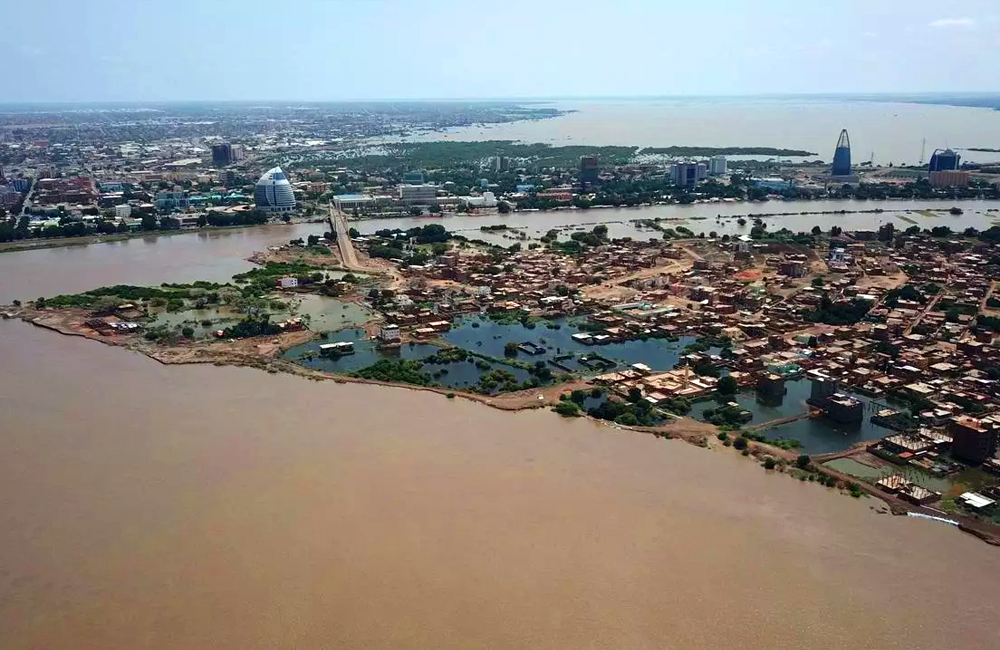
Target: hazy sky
<point>150,50</point>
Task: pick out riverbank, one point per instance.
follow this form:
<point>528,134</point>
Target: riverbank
<point>66,242</point>
<point>264,353</point>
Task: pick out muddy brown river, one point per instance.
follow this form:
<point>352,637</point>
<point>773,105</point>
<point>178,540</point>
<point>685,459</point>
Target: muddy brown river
<point>154,507</point>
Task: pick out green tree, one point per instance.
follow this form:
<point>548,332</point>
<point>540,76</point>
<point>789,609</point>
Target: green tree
<point>803,461</point>
<point>503,207</point>
<point>149,222</point>
<point>567,409</point>
<point>727,386</point>
<point>816,230</point>
<point>416,211</point>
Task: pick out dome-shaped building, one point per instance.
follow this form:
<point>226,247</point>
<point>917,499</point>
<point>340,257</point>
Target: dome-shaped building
<point>273,192</point>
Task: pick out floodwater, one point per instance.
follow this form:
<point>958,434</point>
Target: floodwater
<point>213,255</point>
<point>218,255</point>
<point>701,217</point>
<point>819,435</point>
<point>151,506</point>
<point>883,132</point>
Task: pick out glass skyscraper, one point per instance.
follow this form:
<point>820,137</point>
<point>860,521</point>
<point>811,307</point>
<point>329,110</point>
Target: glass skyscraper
<point>273,192</point>
<point>842,156</point>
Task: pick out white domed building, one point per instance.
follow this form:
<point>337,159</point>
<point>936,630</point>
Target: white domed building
<point>273,192</point>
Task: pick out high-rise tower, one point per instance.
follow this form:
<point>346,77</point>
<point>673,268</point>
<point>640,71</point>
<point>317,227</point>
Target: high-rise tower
<point>943,160</point>
<point>842,156</point>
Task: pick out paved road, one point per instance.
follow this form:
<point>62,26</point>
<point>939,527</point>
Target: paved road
<point>347,252</point>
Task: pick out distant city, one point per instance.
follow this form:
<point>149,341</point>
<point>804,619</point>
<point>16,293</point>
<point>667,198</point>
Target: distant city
<point>78,172</point>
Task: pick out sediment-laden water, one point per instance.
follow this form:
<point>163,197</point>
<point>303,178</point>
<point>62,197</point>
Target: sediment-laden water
<point>151,506</point>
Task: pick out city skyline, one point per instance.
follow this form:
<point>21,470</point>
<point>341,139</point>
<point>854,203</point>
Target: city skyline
<point>186,51</point>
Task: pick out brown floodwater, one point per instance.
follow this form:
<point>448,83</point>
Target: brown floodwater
<point>213,255</point>
<point>147,506</point>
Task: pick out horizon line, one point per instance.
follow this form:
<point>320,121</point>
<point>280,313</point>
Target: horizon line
<point>514,98</point>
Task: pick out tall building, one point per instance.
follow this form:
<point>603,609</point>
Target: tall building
<point>222,154</point>
<point>422,194</point>
<point>686,174</point>
<point>238,153</point>
<point>842,156</point>
<point>944,160</point>
<point>588,170</point>
<point>273,192</point>
<point>501,163</point>
<point>971,441</point>
<point>717,165</point>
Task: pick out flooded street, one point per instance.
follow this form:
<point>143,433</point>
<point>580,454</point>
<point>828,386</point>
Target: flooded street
<point>147,506</point>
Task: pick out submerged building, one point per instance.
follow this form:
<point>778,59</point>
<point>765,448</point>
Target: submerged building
<point>273,192</point>
<point>842,156</point>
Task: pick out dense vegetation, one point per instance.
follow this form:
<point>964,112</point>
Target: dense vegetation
<point>838,313</point>
<point>395,370</point>
<point>250,327</point>
<point>437,155</point>
<point>688,152</point>
<point>131,293</point>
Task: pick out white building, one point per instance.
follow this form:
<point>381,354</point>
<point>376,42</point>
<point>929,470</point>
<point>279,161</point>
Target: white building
<point>390,333</point>
<point>717,165</point>
<point>288,282</point>
<point>123,211</point>
<point>487,200</point>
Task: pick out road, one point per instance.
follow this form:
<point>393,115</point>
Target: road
<point>347,253</point>
<point>923,312</point>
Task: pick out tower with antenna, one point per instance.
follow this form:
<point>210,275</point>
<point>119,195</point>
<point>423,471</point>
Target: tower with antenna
<point>923,151</point>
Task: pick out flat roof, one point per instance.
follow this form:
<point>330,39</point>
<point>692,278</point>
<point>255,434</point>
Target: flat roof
<point>976,500</point>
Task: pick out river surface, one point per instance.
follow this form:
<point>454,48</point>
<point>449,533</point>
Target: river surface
<point>218,255</point>
<point>884,132</point>
<point>150,506</point>
<point>701,217</point>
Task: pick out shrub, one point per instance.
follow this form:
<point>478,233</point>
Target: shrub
<point>450,395</point>
<point>740,443</point>
<point>769,463</point>
<point>802,461</point>
<point>187,332</point>
<point>722,436</point>
<point>567,409</point>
